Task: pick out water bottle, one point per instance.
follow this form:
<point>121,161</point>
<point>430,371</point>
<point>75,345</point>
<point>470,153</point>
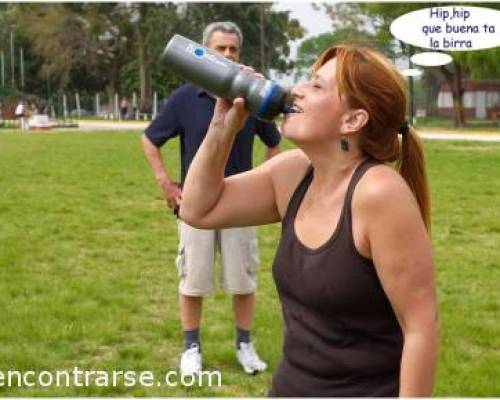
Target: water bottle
<point>216,74</point>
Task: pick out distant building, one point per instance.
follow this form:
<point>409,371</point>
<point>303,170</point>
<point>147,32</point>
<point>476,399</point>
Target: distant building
<point>481,100</point>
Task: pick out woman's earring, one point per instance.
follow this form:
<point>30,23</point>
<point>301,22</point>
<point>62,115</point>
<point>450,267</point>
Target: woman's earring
<point>344,144</point>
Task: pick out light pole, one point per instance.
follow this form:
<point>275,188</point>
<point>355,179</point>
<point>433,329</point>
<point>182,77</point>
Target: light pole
<point>262,11</point>
<point>21,66</point>
<point>411,73</point>
<point>12,59</point>
<point>2,61</point>
<point>410,83</point>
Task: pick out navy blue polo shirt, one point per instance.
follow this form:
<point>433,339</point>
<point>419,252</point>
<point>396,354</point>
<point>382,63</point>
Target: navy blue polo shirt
<point>188,113</point>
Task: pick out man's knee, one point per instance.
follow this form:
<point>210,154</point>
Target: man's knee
<point>195,260</point>
<point>240,255</point>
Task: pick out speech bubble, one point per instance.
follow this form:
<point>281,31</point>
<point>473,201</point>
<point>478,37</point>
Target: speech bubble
<point>450,28</point>
<point>431,59</point>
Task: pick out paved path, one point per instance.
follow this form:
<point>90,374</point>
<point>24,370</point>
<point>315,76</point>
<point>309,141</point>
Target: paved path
<point>112,125</point>
<point>477,137</point>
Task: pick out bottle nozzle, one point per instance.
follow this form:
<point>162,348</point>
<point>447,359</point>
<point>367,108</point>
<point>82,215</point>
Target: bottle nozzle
<point>289,110</point>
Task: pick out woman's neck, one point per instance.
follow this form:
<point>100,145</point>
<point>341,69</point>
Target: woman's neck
<point>331,167</point>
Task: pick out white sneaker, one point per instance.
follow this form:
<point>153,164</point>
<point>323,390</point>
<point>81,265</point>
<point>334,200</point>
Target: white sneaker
<point>249,359</point>
<point>191,361</point>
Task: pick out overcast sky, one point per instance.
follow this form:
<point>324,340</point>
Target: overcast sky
<point>315,22</point>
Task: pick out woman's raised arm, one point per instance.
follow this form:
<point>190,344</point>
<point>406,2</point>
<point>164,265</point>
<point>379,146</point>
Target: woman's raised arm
<point>211,201</point>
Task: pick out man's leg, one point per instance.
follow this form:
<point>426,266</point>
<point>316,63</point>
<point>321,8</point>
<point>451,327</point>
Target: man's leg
<point>241,260</point>
<point>195,266</point>
<point>243,307</point>
<point>190,313</point>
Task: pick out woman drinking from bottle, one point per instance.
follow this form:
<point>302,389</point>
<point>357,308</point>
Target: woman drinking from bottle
<point>353,268</point>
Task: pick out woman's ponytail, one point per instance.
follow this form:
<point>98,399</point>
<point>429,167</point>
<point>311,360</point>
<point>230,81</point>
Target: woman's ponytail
<point>411,166</point>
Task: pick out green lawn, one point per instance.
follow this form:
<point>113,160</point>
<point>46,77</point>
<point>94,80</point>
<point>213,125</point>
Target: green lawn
<point>87,274</point>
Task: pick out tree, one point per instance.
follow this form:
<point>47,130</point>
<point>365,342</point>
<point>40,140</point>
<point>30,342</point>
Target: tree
<point>109,28</point>
<point>5,29</point>
<point>465,64</point>
<point>82,46</point>
<point>57,34</point>
<point>311,48</point>
<point>152,26</point>
<point>432,80</point>
<point>189,19</point>
<point>90,47</point>
<point>279,29</point>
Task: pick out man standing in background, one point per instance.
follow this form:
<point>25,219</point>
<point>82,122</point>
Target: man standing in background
<point>188,114</point>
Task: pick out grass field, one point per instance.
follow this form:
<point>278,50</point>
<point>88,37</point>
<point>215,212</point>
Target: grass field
<point>87,275</point>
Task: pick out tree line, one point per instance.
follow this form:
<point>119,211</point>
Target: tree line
<point>368,24</point>
<point>88,48</point>
<point>115,47</point>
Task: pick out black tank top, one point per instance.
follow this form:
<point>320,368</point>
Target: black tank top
<point>342,338</point>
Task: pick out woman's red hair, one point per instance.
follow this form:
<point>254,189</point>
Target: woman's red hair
<point>368,80</point>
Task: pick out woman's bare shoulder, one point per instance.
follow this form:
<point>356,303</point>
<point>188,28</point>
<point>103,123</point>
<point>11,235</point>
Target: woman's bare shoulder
<point>287,170</point>
<point>381,187</point>
<point>290,159</point>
